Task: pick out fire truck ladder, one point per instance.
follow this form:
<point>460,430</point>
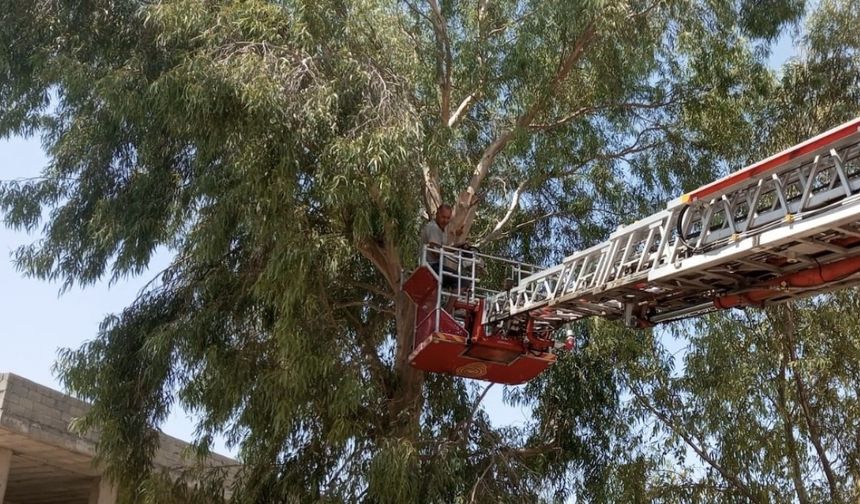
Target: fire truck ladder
<point>785,227</point>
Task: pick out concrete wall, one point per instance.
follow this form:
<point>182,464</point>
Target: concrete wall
<point>47,463</point>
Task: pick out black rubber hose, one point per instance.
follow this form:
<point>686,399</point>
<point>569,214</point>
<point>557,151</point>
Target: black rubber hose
<point>678,227</point>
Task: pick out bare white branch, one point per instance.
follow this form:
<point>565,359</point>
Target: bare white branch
<point>464,212</point>
<point>515,203</point>
<point>464,105</point>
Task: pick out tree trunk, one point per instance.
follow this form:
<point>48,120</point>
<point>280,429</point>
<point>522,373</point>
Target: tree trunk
<point>816,436</point>
<point>788,430</point>
<point>406,401</point>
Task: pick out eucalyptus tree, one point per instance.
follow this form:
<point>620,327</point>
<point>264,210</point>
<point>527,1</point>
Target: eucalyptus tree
<point>285,154</point>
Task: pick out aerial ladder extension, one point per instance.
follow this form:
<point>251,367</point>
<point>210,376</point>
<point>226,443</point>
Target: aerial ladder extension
<point>785,227</point>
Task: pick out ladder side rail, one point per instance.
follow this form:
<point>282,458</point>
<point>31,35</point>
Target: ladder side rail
<point>522,297</point>
<point>849,213</point>
<point>833,193</point>
<point>840,185</point>
<point>791,172</point>
<point>845,212</point>
<point>586,271</point>
<point>532,284</point>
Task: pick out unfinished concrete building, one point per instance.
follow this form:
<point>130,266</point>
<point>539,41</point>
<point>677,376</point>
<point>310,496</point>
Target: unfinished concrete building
<point>43,462</point>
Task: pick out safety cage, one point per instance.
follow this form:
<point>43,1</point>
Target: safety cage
<point>451,333</point>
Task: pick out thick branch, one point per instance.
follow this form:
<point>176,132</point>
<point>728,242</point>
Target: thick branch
<point>515,203</point>
<point>432,193</point>
<point>405,402</point>
<point>376,255</point>
<point>700,451</point>
<point>463,427</point>
<point>464,213</point>
<point>471,97</point>
<point>382,252</point>
<point>461,110</point>
<point>482,10</point>
<point>444,60</point>
<point>788,429</point>
<point>815,436</point>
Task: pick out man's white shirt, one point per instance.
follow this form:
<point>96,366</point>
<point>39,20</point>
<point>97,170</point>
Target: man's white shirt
<point>432,233</point>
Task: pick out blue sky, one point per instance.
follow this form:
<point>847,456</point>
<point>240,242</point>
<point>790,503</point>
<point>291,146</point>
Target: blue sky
<point>37,320</point>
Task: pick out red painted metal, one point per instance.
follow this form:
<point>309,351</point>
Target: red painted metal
<point>537,341</point>
<point>478,333</point>
<point>752,171</point>
<point>809,278</point>
<point>448,347</point>
<point>448,353</point>
<point>421,285</point>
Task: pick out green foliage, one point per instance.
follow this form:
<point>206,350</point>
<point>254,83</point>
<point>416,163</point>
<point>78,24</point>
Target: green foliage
<point>757,392</point>
<point>282,153</point>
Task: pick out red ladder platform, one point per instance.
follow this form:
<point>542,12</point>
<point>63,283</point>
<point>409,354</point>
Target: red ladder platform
<point>448,353</point>
<point>442,344</point>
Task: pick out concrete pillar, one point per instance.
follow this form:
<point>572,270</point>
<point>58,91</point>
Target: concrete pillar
<point>5,463</point>
<point>102,492</point>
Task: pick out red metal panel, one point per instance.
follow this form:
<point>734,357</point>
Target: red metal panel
<point>448,325</point>
<point>446,353</point>
<point>426,325</point>
<point>421,285</point>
